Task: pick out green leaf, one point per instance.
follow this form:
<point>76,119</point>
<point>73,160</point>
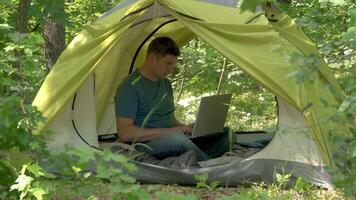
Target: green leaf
<point>344,106</point>
<point>126,178</point>
<point>85,155</point>
<point>201,177</point>
<point>103,172</point>
<point>301,185</point>
<point>38,193</point>
<point>38,171</point>
<point>87,174</point>
<point>214,184</point>
<point>352,149</point>
<point>350,34</point>
<point>335,2</point>
<point>352,17</point>
<point>9,48</point>
<point>6,173</point>
<point>249,5</point>
<point>140,194</point>
<point>76,169</point>
<point>121,159</point>
<point>5,26</point>
<point>22,183</point>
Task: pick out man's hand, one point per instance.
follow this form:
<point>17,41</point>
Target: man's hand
<point>128,132</point>
<point>187,129</point>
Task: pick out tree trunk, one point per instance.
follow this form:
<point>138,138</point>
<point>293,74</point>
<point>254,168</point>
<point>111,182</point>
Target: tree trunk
<point>221,76</point>
<point>21,27</point>
<point>22,16</point>
<point>54,36</point>
<point>183,82</point>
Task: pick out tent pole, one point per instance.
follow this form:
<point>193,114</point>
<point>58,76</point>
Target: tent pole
<point>221,76</point>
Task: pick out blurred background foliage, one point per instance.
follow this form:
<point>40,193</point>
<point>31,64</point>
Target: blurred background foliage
<point>252,107</point>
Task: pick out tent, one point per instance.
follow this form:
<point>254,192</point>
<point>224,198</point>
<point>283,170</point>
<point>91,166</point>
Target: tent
<point>77,95</point>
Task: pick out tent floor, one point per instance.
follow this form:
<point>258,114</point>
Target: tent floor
<point>241,136</point>
<point>252,136</point>
<point>246,145</point>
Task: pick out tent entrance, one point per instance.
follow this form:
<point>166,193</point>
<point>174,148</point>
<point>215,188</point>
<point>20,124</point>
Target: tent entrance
<point>253,108</point>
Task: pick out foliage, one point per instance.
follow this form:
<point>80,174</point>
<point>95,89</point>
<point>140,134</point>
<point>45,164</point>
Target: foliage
<point>252,4</point>
<point>202,182</point>
<point>74,166</point>
<point>282,180</point>
<point>306,67</point>
<point>26,184</point>
<point>21,74</point>
<point>302,186</point>
<point>81,12</point>
<point>331,25</point>
<point>111,168</point>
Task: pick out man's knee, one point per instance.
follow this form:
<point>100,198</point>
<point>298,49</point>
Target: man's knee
<point>179,138</point>
<point>173,145</point>
<point>182,140</point>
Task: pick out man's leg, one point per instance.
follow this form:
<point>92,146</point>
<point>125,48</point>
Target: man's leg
<point>216,145</point>
<point>171,145</point>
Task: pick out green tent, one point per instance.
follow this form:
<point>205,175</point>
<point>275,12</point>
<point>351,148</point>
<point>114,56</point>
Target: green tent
<point>77,95</point>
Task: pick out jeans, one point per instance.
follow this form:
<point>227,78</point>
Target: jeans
<point>176,144</point>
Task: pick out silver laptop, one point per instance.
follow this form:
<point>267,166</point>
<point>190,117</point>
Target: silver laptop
<point>211,115</point>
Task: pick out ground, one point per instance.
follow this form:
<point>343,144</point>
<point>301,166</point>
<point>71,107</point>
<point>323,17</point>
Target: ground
<point>176,192</point>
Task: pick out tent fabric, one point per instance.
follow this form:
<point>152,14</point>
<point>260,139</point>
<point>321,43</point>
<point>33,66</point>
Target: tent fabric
<point>236,173</point>
<point>76,118</point>
<point>270,69</point>
<point>111,47</point>
<point>291,140</point>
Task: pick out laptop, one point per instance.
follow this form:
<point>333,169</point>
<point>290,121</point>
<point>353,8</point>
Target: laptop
<point>211,115</point>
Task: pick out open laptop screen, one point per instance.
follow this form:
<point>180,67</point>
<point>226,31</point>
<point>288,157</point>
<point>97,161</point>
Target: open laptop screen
<point>211,115</point>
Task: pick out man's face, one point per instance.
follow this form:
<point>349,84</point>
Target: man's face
<point>165,64</point>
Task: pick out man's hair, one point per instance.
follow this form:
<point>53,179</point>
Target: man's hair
<point>163,46</point>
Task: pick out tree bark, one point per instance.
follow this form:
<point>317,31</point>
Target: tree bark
<point>54,32</point>
<point>221,76</point>
<point>183,82</point>
<point>22,16</point>
<point>21,27</point>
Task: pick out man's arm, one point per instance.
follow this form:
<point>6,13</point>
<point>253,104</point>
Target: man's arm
<point>128,132</point>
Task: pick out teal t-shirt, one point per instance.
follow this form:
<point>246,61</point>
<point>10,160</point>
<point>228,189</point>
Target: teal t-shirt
<point>145,101</point>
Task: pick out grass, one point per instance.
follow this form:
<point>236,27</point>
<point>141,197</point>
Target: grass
<point>251,191</point>
<point>200,193</point>
<point>247,192</point>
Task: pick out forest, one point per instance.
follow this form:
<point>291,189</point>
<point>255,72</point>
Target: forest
<point>34,33</point>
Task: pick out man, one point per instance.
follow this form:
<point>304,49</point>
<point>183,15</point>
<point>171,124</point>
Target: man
<point>145,109</point>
